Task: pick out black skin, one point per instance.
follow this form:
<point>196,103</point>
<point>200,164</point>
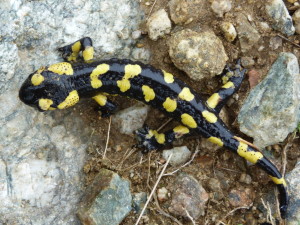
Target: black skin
<point>57,87</point>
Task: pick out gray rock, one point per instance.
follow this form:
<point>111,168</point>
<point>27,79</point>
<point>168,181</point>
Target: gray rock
<point>42,155</point>
<point>188,196</point>
<point>130,119</point>
<point>198,54</point>
<point>293,213</point>
<point>247,34</point>
<point>138,201</point>
<point>280,18</point>
<point>158,24</point>
<point>271,110</point>
<point>180,155</point>
<point>107,200</point>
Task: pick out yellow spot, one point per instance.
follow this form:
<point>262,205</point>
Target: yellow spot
<point>170,105</point>
<point>70,100</point>
<point>99,70</point>
<point>45,103</point>
<point>213,100</point>
<point>225,79</point>
<point>160,138</point>
<point>76,46</point>
<point>278,180</point>
<point>130,72</point>
<point>186,94</point>
<point>188,120</point>
<point>180,131</point>
<point>209,116</point>
<point>75,51</point>
<point>148,93</point>
<point>100,99</point>
<point>38,78</point>
<point>251,156</point>
<point>168,77</point>
<point>88,53</point>
<point>124,85</point>
<point>228,85</point>
<point>216,140</point>
<point>61,68</point>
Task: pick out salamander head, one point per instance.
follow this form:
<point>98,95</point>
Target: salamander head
<point>41,90</point>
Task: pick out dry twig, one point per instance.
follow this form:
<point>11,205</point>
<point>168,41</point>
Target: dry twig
<point>153,190</point>
<point>232,211</point>
<point>107,138</point>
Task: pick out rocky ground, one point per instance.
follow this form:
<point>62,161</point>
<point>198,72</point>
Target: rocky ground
<point>64,159</point>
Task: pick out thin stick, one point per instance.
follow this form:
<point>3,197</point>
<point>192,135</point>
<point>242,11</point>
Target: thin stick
<point>151,9</point>
<point>153,190</point>
<point>190,217</point>
<point>184,165</point>
<point>164,124</point>
<point>107,139</point>
<point>232,211</point>
<point>288,40</point>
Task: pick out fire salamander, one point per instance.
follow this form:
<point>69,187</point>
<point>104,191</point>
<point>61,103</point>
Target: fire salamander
<point>61,85</point>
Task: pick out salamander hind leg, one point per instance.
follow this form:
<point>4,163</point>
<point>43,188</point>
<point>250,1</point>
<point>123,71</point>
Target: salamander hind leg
<point>232,80</point>
<point>71,52</point>
<point>152,140</point>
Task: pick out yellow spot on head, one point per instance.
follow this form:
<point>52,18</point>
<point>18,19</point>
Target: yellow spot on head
<point>188,120</point>
<point>45,103</point>
<point>61,68</point>
<point>278,180</point>
<point>209,116</point>
<point>88,53</point>
<point>186,94</point>
<point>38,78</point>
<point>213,100</point>
<point>170,105</point>
<point>180,131</point>
<point>70,100</point>
<point>148,93</point>
<point>100,99</point>
<point>228,85</point>
<point>251,156</point>
<point>99,70</point>
<point>168,77</point>
<point>216,140</point>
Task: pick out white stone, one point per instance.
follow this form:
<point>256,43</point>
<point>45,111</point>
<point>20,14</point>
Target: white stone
<point>158,24</point>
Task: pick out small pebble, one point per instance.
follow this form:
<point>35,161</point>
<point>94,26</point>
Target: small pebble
<point>245,178</point>
<point>220,7</point>
<point>162,194</point>
<point>229,31</point>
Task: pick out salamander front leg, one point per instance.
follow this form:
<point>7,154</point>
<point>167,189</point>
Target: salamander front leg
<point>232,80</point>
<point>105,106</point>
<point>152,140</point>
<point>71,52</point>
